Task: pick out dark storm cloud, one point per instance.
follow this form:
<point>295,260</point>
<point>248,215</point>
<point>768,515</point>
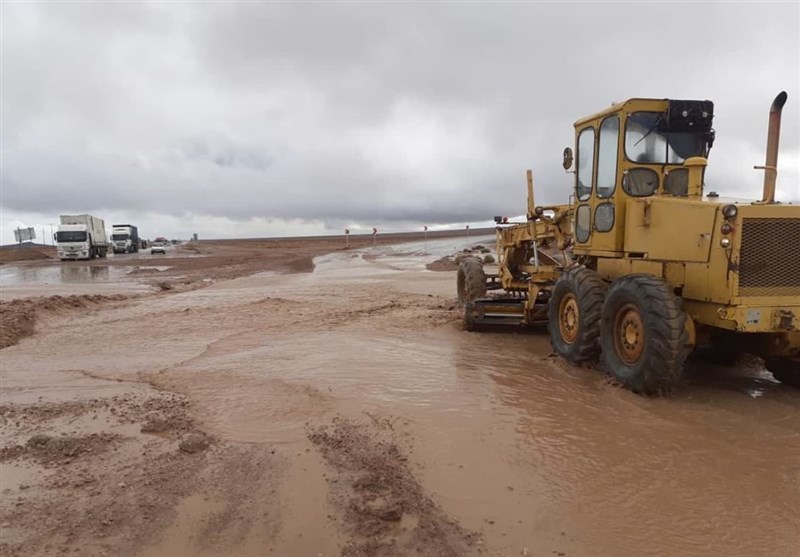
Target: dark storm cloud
<point>359,112</point>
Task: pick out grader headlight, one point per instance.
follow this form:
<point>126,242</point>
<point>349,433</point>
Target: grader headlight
<point>730,211</point>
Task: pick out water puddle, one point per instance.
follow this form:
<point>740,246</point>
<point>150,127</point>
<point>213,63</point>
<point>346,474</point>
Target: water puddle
<point>66,273</point>
<point>159,268</point>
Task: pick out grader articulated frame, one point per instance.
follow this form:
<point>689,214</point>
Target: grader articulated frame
<point>531,257</point>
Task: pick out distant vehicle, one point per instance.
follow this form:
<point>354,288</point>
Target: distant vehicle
<point>158,247</point>
<point>125,238</point>
<point>81,237</point>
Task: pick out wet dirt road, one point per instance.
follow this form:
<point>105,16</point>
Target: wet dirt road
<point>306,384</point>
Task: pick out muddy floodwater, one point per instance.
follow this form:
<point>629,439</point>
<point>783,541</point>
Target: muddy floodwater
<point>505,449</point>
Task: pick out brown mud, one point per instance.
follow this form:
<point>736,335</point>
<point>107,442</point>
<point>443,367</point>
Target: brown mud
<point>18,317</point>
<point>383,506</point>
<point>343,411</point>
<point>11,254</point>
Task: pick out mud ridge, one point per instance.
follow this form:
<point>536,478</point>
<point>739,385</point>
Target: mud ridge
<point>18,317</point>
<point>442,264</point>
<point>49,450</point>
<point>384,508</point>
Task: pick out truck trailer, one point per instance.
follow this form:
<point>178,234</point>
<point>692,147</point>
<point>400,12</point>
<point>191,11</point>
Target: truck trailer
<point>125,238</point>
<point>81,237</point>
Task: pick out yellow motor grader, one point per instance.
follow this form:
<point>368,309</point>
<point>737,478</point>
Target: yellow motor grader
<point>642,266</point>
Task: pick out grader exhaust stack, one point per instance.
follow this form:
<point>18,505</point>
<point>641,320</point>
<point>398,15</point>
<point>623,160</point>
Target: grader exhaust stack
<point>770,167</point>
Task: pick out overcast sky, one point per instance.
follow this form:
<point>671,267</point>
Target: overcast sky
<point>262,119</point>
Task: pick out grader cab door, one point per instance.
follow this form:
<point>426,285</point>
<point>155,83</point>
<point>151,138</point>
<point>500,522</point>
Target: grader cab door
<point>596,179</point>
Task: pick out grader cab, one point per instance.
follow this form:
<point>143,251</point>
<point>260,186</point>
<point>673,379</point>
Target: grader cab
<point>644,266</point>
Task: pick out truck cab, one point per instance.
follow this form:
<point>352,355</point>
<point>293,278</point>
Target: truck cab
<point>124,238</point>
<point>81,237</point>
<point>73,242</point>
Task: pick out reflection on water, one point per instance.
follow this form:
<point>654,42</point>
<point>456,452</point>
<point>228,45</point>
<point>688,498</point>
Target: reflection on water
<point>64,273</point>
<point>83,273</point>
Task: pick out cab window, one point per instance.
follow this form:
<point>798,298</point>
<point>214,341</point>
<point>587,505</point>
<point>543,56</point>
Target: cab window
<point>677,182</point>
<point>607,157</point>
<point>648,141</point>
<point>585,164</point>
<point>640,182</point>
<point>582,223</point>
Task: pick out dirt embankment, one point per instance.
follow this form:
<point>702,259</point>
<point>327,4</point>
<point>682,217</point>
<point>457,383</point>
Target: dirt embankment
<point>18,317</point>
<point>10,254</point>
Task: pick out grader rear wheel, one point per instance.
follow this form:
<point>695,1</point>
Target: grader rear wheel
<point>471,280</point>
<point>574,315</point>
<point>643,334</point>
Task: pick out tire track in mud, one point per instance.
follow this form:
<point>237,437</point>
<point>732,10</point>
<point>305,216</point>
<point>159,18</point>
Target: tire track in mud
<point>382,506</point>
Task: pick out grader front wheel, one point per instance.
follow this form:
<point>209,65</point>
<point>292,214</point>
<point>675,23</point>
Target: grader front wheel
<point>573,315</point>
<point>471,280</point>
<point>643,334</point>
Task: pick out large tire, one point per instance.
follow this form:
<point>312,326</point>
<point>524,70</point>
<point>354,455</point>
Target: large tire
<point>643,334</point>
<point>469,321</point>
<point>573,315</point>
<point>471,280</point>
<point>785,370</point>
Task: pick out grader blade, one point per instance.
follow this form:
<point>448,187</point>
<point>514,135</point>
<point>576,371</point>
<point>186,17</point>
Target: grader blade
<point>502,312</point>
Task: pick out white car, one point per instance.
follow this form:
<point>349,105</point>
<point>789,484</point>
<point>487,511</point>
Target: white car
<point>158,247</point>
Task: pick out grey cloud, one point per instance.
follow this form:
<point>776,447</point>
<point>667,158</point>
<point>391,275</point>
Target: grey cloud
<point>363,113</point>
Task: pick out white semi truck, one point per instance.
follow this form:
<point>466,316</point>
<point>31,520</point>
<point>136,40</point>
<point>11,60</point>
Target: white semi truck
<point>81,237</point>
<point>125,238</point>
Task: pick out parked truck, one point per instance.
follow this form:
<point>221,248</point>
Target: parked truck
<point>125,238</point>
<point>81,237</point>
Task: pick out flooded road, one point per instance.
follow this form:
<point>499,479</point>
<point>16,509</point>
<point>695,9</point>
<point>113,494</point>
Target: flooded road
<point>535,456</point>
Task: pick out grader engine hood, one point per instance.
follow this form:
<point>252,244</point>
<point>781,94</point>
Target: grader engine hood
<point>719,251</point>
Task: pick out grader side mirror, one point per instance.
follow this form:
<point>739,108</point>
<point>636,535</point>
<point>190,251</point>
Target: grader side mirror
<point>567,158</point>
